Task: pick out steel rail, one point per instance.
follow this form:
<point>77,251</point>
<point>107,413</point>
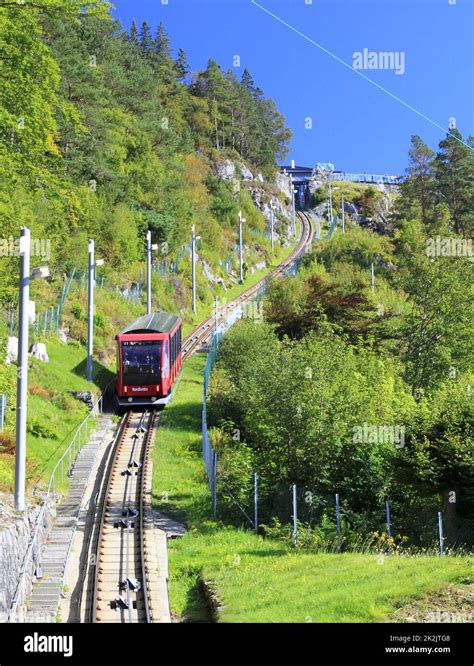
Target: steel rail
<point>131,448</point>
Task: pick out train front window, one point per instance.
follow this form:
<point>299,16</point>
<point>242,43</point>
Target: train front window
<point>141,362</point>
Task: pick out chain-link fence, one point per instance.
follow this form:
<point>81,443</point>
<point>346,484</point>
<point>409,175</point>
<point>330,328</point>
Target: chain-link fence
<point>208,453</point>
<point>306,515</point>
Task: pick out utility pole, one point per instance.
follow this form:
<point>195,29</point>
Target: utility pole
<point>193,261</point>
<point>330,200</point>
<point>293,190</point>
<point>338,522</point>
<point>271,223</point>
<point>387,511</point>
<point>441,536</point>
<point>372,276</point>
<point>241,248</point>
<point>216,314</point>
<point>342,212</point>
<point>295,516</point>
<point>148,272</point>
<point>255,501</point>
<point>90,310</point>
<point>90,307</point>
<point>149,248</point>
<point>22,380</point>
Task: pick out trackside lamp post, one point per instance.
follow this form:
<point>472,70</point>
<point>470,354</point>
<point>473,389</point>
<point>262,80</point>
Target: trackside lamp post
<point>90,309</point>
<point>149,248</point>
<point>330,201</point>
<point>342,212</point>
<point>241,248</point>
<point>293,204</point>
<point>193,262</point>
<point>22,381</point>
<point>271,223</point>
<point>327,170</point>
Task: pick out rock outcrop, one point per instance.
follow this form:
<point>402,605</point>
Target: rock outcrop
<point>38,350</point>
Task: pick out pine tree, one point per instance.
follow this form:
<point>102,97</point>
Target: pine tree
<point>419,188</point>
<point>182,65</point>
<point>248,82</point>
<point>133,38</point>
<point>146,40</point>
<point>162,47</point>
<point>454,168</point>
<point>249,139</point>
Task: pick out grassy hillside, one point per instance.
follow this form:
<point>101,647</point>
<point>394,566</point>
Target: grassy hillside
<point>256,580</point>
<point>53,412</point>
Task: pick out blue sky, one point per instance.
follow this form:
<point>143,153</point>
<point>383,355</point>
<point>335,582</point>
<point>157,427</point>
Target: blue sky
<point>354,125</point>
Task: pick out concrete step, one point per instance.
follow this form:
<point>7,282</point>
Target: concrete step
<point>48,607</point>
<point>46,593</point>
<point>50,600</point>
<point>60,532</point>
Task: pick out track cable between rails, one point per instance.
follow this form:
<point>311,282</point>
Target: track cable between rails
<point>121,589</point>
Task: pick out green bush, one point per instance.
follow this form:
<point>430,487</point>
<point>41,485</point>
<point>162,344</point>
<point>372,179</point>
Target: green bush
<point>65,402</point>
<point>77,311</point>
<point>41,430</point>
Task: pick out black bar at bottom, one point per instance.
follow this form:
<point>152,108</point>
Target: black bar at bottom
<point>239,644</point>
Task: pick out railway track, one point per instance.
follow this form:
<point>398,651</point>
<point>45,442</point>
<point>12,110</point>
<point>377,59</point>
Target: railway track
<point>121,587</point>
<point>121,591</point>
<point>203,333</point>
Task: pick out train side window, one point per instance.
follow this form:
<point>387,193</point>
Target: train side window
<point>166,361</point>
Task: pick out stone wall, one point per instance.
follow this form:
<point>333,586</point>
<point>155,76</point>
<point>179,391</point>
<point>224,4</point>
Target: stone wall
<point>16,532</point>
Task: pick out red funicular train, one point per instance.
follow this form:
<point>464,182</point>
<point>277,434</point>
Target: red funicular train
<point>148,360</point>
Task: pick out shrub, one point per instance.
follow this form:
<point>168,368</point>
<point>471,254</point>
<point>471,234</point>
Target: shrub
<point>100,321</point>
<point>77,311</point>
<point>7,443</point>
<point>41,430</point>
<point>64,402</point>
<point>40,391</point>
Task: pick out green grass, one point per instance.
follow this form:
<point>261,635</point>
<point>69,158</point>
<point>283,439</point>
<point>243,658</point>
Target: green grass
<point>179,481</point>
<point>261,580</point>
<point>53,413</point>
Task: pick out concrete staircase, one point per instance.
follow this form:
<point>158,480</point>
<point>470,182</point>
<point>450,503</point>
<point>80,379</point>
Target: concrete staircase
<point>46,592</point>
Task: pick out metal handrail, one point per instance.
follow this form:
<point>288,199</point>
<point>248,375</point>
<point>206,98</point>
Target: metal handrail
<point>387,179</point>
<point>95,409</point>
<point>51,496</point>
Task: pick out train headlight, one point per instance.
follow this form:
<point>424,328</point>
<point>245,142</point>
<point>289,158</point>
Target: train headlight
<point>130,400</point>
